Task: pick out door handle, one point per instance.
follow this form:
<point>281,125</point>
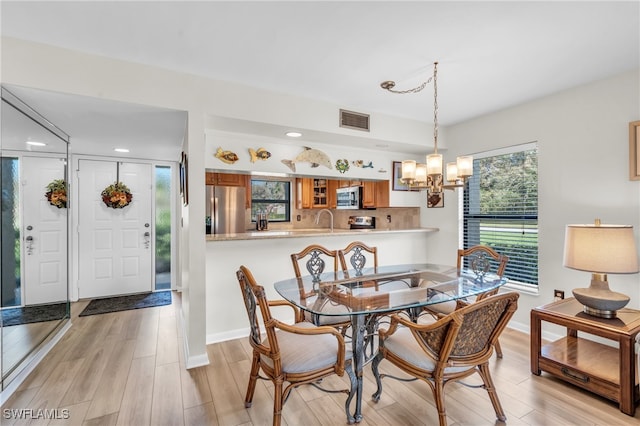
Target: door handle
<point>29,245</point>
<point>147,239</point>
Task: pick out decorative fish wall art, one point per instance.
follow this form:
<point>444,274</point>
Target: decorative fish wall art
<point>309,155</point>
<point>228,157</point>
<point>360,163</point>
<point>259,154</point>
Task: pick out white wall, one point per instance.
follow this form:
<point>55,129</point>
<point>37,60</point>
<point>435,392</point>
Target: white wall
<point>49,68</point>
<point>582,136</point>
<point>583,156</point>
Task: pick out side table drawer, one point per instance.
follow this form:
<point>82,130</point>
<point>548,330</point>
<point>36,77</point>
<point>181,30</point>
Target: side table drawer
<point>582,379</point>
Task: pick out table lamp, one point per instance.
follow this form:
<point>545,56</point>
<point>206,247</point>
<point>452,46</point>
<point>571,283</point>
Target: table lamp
<point>601,250</point>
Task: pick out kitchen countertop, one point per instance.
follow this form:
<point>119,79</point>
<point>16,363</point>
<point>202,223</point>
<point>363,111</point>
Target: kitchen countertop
<point>310,232</point>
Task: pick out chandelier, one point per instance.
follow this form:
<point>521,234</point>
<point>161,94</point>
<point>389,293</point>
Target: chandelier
<point>429,176</point>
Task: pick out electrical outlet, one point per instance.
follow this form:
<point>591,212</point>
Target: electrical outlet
<point>558,294</point>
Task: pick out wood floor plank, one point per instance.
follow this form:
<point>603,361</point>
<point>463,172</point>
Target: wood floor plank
<point>147,339</point>
<point>167,346</point>
<point>85,384</point>
<point>74,415</point>
<point>108,396</point>
<point>166,408</point>
<point>195,387</point>
<point>138,393</point>
<point>199,415</point>
<point>228,400</point>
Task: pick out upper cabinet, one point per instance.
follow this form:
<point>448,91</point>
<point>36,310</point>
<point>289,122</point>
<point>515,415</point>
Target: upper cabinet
<point>231,179</point>
<point>375,194</point>
<point>226,179</point>
<point>314,193</point>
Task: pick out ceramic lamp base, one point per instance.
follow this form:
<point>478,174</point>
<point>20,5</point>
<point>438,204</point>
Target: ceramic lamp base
<point>598,299</point>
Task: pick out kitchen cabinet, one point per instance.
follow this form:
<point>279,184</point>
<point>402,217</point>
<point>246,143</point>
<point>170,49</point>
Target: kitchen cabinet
<point>226,179</point>
<point>332,199</point>
<point>304,191</point>
<point>316,193</point>
<point>231,179</point>
<point>320,193</point>
<point>375,194</point>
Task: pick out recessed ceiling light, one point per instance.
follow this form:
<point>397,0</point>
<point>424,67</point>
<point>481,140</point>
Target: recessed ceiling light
<point>121,150</point>
<point>293,134</point>
<point>34,143</point>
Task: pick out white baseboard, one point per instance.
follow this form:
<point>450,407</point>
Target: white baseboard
<point>228,335</point>
<point>33,363</point>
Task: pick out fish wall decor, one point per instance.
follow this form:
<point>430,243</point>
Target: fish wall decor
<point>228,157</point>
<point>360,163</point>
<point>309,155</point>
<point>259,154</point>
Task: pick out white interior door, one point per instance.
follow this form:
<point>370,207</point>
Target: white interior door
<point>44,233</point>
<point>115,245</point>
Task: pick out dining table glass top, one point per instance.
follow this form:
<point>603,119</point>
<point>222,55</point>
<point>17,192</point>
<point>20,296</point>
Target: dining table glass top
<point>385,288</point>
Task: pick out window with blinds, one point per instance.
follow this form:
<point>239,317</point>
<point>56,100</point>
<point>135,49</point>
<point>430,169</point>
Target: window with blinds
<point>500,209</point>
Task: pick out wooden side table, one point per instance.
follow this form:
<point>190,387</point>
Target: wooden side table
<point>602,369</point>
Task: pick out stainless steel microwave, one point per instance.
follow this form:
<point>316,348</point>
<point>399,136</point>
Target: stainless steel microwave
<point>349,198</point>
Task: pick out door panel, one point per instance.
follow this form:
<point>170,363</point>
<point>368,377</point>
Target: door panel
<point>114,253</point>
<point>44,233</point>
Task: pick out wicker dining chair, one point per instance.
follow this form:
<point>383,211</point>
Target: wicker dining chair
<point>316,259</point>
<point>450,349</point>
<point>296,354</point>
<point>480,259</point>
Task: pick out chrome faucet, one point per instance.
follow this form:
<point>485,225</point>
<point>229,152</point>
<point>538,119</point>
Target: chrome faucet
<point>330,214</point>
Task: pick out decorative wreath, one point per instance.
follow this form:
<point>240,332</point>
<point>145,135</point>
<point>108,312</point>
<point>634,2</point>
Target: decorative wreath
<point>117,195</point>
<point>57,193</point>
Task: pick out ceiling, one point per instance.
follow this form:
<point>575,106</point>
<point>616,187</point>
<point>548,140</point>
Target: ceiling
<point>492,55</point>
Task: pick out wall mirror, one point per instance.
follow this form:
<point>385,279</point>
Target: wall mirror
<point>34,297</point>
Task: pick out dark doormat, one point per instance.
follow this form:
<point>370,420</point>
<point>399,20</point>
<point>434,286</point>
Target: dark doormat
<point>31,314</point>
<point>125,303</point>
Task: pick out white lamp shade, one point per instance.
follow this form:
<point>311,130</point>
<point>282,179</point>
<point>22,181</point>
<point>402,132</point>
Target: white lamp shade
<point>408,170</point>
<point>434,164</point>
<point>606,249</point>
<point>452,172</point>
<point>421,173</point>
<point>465,166</point>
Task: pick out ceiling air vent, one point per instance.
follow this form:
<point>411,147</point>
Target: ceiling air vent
<point>354,120</point>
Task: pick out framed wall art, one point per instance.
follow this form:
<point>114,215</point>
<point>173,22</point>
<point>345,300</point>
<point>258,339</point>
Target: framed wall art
<point>634,150</point>
<point>397,184</point>
<point>184,179</point>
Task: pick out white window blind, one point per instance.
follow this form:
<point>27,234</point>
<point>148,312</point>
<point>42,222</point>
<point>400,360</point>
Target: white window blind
<point>500,209</point>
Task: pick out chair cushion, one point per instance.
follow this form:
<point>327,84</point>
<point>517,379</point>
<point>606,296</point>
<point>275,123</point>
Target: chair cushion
<point>403,344</point>
<point>301,353</point>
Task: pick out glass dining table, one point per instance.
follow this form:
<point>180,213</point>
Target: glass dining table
<point>364,297</point>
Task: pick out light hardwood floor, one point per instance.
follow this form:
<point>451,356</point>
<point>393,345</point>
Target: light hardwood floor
<point>127,368</point>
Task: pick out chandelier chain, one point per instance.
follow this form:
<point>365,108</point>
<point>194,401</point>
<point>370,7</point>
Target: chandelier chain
<point>414,90</point>
<point>435,108</point>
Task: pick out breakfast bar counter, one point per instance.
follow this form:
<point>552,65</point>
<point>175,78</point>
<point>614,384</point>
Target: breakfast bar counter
<point>268,255</point>
<point>311,232</point>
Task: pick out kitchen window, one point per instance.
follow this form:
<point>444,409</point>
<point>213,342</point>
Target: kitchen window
<point>272,197</point>
<point>500,209</point>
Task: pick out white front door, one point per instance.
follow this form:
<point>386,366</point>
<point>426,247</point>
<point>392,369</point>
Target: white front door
<point>44,233</point>
<point>115,245</point>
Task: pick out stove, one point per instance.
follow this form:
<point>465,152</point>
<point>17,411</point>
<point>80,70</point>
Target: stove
<point>362,222</point>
